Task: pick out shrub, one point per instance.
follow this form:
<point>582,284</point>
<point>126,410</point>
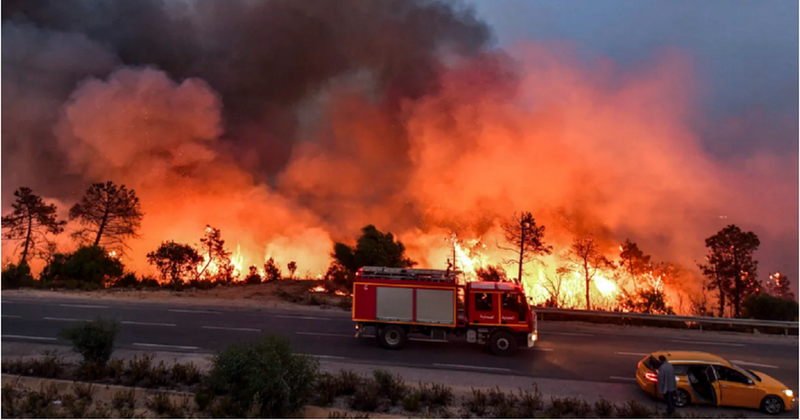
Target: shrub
<point>90,265</point>
<point>412,401</point>
<point>326,389</point>
<point>162,405</point>
<point>764,306</point>
<point>203,397</point>
<point>116,369</point>
<point>253,277</point>
<point>139,368</point>
<point>530,402</point>
<point>348,382</point>
<point>391,386</point>
<point>603,408</point>
<point>264,372</point>
<point>633,410</point>
<point>187,373</point>
<point>148,281</point>
<point>436,395</point>
<point>94,340</point>
<point>477,402</point>
<point>124,399</point>
<point>49,366</point>
<point>83,392</point>
<point>558,407</point>
<point>91,371</point>
<point>15,276</point>
<point>367,397</point>
<point>127,280</point>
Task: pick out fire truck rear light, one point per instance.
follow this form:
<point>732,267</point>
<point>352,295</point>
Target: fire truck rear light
<point>652,377</point>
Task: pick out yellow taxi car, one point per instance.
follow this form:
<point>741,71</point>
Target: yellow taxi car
<point>704,378</point>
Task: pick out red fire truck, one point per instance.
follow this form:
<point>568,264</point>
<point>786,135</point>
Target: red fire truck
<point>393,303</point>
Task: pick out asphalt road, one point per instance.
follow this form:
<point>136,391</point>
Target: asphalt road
<point>598,354</point>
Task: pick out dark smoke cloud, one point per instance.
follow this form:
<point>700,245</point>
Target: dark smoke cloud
<point>263,57</point>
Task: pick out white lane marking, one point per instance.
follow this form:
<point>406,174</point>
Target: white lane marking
<point>542,349</point>
<point>569,333</point>
<point>739,362</point>
<point>7,302</point>
<point>165,346</point>
<point>623,378</point>
<point>47,318</point>
<point>208,327</point>
<point>66,305</point>
<point>11,316</point>
<point>28,337</point>
<point>153,324</point>
<point>321,356</point>
<point>472,367</point>
<point>624,353</point>
<point>325,334</point>
<point>193,311</point>
<point>710,343</point>
<point>302,317</point>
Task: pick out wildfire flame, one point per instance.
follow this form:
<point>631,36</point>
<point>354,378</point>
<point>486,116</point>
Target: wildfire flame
<point>318,289</point>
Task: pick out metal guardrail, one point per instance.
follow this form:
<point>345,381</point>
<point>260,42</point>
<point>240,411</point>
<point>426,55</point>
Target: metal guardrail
<point>699,320</point>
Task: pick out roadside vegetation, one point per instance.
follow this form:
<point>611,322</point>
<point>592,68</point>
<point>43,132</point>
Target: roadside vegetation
<point>109,215</point>
<point>263,379</point>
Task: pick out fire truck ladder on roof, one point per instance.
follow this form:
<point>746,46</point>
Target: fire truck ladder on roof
<point>412,274</point>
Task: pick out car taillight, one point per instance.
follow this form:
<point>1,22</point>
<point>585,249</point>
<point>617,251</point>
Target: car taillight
<point>652,377</point>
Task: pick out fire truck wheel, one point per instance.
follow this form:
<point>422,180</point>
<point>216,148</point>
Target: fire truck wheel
<point>502,343</point>
<point>392,337</point>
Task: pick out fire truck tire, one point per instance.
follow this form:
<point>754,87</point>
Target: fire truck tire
<point>502,343</point>
<point>392,337</point>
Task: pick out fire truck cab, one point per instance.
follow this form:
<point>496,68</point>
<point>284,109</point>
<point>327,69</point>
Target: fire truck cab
<point>396,302</point>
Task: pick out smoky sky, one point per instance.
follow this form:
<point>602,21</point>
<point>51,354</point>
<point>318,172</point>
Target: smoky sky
<point>262,57</point>
<point>745,54</point>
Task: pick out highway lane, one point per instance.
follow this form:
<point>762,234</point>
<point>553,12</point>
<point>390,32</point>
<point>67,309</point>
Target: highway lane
<point>576,354</point>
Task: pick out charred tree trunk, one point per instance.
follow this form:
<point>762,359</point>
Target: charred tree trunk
<point>521,254</point>
<point>27,239</point>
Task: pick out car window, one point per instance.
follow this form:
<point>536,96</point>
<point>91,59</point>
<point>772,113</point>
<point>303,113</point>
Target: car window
<point>680,369</point>
<point>753,374</point>
<point>652,363</point>
<point>732,375</point>
<point>483,302</point>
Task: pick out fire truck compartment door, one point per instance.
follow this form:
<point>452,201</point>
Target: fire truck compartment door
<point>395,304</point>
<point>435,306</point>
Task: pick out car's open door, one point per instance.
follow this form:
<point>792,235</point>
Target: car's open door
<point>713,379</point>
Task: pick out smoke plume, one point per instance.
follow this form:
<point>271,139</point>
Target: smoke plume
<point>292,124</point>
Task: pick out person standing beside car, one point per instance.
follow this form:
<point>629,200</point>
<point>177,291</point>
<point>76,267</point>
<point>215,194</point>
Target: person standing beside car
<point>666,383</point>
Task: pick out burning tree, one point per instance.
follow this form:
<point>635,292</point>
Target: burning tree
<point>292,267</point>
<point>491,273</point>
<point>215,255</point>
<point>585,254</point>
<point>779,286</point>
<point>553,285</point>
<point>176,262</point>
<point>30,222</point>
<point>633,261</point>
<point>253,277</point>
<point>108,213</point>
<point>731,267</point>
<point>373,248</point>
<point>527,238</point>
<point>271,271</point>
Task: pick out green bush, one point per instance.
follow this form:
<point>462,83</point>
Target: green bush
<point>530,402</point>
<point>94,340</point>
<point>633,410</point>
<point>15,276</point>
<point>603,408</point>
<point>264,373</point>
<point>436,395</point>
<point>367,397</point>
<point>89,265</point>
<point>391,386</point>
<point>412,401</point>
<point>477,403</point>
<point>127,280</point>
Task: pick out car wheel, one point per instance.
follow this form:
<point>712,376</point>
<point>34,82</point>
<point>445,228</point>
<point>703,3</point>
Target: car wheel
<point>392,337</point>
<point>681,398</point>
<point>772,404</point>
<point>502,343</point>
